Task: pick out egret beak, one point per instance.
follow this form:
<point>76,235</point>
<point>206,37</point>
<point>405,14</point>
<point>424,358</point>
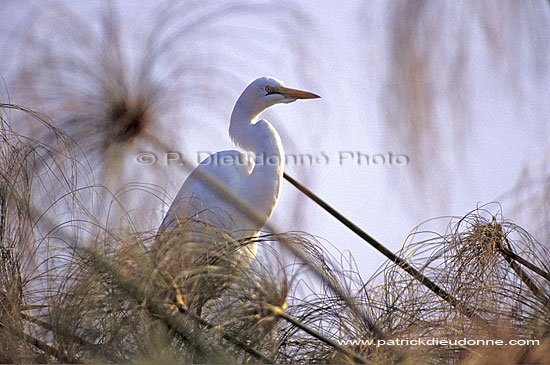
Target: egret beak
<point>289,93</point>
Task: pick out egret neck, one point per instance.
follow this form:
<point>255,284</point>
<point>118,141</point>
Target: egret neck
<point>260,138</point>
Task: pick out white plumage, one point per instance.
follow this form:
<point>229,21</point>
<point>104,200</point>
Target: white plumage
<point>202,243</point>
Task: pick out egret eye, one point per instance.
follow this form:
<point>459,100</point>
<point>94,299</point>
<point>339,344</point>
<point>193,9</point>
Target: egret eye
<point>268,89</point>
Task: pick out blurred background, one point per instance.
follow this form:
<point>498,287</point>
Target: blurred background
<point>455,92</point>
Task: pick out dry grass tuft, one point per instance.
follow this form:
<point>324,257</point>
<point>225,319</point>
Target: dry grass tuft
<point>473,263</point>
<point>24,275</point>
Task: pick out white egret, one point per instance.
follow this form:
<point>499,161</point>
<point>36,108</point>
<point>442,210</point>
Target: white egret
<point>186,233</point>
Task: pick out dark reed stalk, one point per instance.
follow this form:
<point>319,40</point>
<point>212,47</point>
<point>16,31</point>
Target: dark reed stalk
<point>538,292</point>
<point>189,331</point>
<point>510,254</point>
<point>352,355</point>
<point>41,345</point>
<point>461,307</point>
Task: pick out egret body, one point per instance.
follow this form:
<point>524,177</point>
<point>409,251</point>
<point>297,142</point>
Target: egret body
<point>202,209</point>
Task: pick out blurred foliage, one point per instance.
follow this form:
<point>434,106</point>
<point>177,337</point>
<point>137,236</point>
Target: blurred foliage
<point>119,88</point>
<point>436,54</point>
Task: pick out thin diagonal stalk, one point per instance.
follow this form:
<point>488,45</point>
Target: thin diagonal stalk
<point>41,345</point>
<point>280,313</point>
<point>442,293</point>
<point>80,341</point>
<point>508,252</point>
<point>186,329</point>
<point>538,292</point>
<point>258,355</point>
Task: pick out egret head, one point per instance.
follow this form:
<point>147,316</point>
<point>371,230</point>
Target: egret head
<point>267,91</point>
